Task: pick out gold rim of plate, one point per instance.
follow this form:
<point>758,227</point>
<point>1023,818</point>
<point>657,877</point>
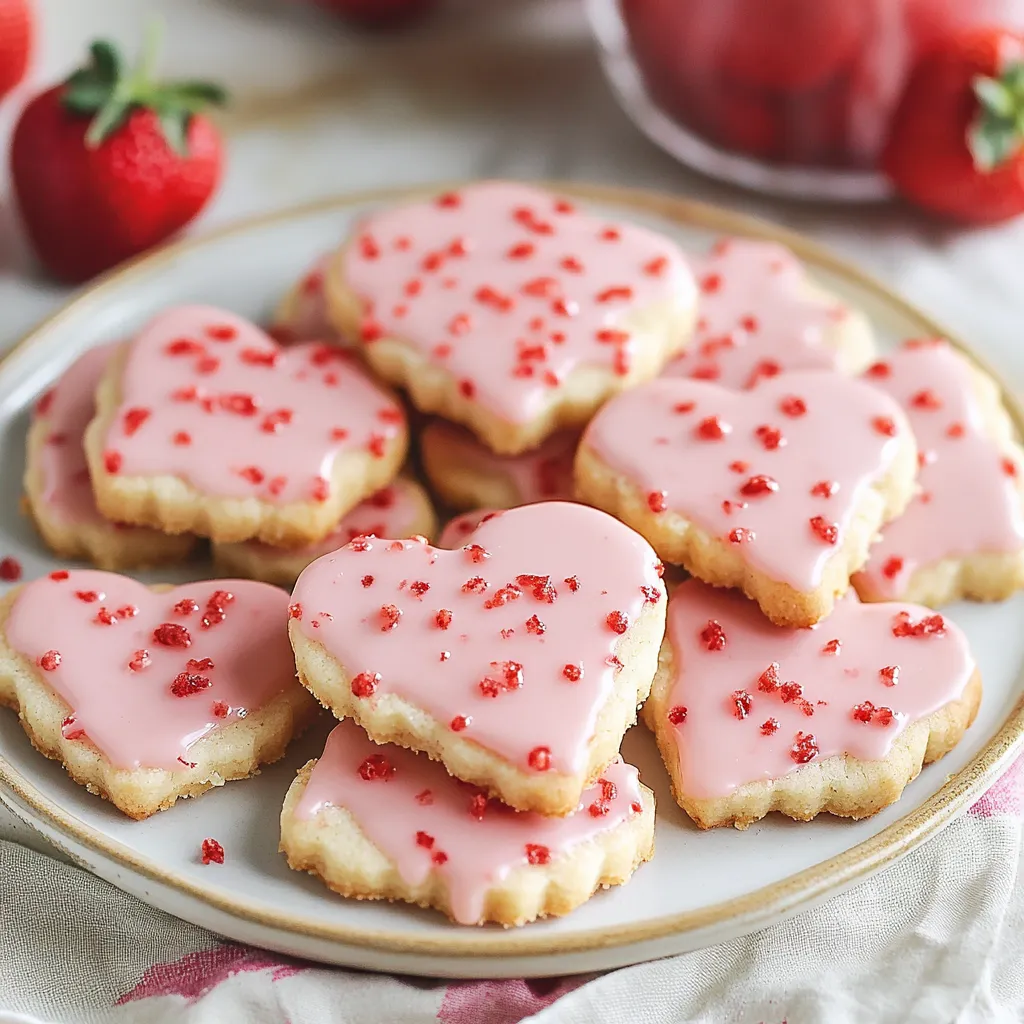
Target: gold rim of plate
<point>750,911</point>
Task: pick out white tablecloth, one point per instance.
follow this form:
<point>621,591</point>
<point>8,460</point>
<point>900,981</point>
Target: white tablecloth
<point>510,87</point>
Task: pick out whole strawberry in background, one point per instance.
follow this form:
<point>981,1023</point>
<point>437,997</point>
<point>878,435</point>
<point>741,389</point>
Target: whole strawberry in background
<point>111,162</point>
<point>17,29</point>
<point>379,13</point>
<point>955,143</point>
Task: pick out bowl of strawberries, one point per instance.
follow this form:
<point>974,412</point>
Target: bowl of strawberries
<point>792,97</point>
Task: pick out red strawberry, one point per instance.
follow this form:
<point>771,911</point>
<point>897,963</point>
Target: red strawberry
<point>955,143</point>
<point>110,163</point>
<point>379,13</point>
<point>17,30</point>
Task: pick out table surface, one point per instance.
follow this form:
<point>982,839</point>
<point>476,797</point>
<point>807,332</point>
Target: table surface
<point>490,88</point>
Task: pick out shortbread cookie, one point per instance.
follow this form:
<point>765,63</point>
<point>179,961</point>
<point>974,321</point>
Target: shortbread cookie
<point>467,475</point>
<point>457,530</point>
<point>518,660</point>
<point>759,315</point>
<point>778,491</point>
<point>149,695</point>
<point>302,314</point>
<point>752,718</point>
<point>58,491</point>
<point>401,509</point>
<point>506,309</point>
<point>384,823</point>
<point>205,425</point>
<point>963,533</point>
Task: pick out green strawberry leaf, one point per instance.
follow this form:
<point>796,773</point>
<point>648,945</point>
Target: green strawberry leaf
<point>994,96</point>
<point>106,61</point>
<point>174,124</point>
<point>997,133</point>
<point>107,121</point>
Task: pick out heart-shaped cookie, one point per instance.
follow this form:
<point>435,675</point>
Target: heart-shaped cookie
<point>778,491</point>
<point>465,474</point>
<point>402,509</point>
<point>205,425</point>
<point>57,484</point>
<point>760,315</point>
<point>963,533</point>
<point>751,717</point>
<point>518,660</point>
<point>384,823</point>
<point>510,310</point>
<point>148,695</point>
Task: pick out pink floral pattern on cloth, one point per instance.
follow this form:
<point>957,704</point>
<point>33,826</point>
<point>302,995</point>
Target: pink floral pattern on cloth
<point>503,1002</point>
<point>1006,796</point>
<point>196,974</point>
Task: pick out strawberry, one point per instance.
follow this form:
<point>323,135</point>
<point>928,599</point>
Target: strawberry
<point>955,142</point>
<point>110,163</point>
<point>17,29</point>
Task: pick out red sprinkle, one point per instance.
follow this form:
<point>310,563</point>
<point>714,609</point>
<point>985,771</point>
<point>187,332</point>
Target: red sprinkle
<point>521,251</point>
<point>572,583</point>
<point>187,683</point>
<point>622,291</point>
<point>832,647</point>
<point>713,635</point>
<point>682,407</point>
<point>10,569</point>
<point>459,722</point>
<point>955,430</point>
<point>133,419</point>
<point>769,727</point>
<point>884,425</point>
<point>741,702</point>
<point>535,626</point>
<point>478,806</point>
<point>443,618</point>
<point>739,466</point>
<point>926,399</point>
<point>791,405</point>
<point>739,535</point>
<point>879,369</point>
<point>425,840</point>
<point>295,611</point>
<point>537,854</point>
<point>140,660</point>
<point>425,799</point>
<point>573,673</point>
<point>677,715</point>
<point>768,680</point>
<point>930,625</point>
<point>770,437</point>
<point>828,532</point>
<point>182,438</point>
<point>618,622</point>
<point>476,553</point>
<point>824,488</point>
<point>220,709</point>
<point>1009,467</point>
<point>656,501</point>
<point>49,661</point>
<point>804,749</point>
<point>539,759</point>
<point>212,852</point>
<point>59,575</point>
<point>170,634</point>
<point>759,484</point>
<point>712,429</point>
<point>376,768</point>
<point>890,675</point>
<point>892,568</point>
<point>389,616</point>
<point>656,267</point>
<point>365,684</point>
<point>112,461</point>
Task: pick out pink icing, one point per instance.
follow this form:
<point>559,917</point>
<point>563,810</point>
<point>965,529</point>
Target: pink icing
<point>441,669</point>
<point>131,714</point>
<point>719,751</point>
<point>480,841</point>
<point>968,501</point>
<point>543,474</point>
<point>838,439</point>
<point>307,317</point>
<point>231,412</point>
<point>458,529</point>
<point>67,409</point>
<point>393,511</point>
<point>510,288</point>
<point>755,318</point>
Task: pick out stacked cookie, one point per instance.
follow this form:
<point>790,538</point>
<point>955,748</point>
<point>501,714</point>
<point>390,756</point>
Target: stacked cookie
<point>484,685</point>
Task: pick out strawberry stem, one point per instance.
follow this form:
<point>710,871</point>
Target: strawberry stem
<point>998,131</point>
<point>106,92</point>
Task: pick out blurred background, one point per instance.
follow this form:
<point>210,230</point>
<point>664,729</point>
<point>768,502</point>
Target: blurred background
<point>518,88</point>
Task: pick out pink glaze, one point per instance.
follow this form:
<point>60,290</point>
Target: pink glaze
<point>755,318</point>
<point>265,422</point>
<point>440,670</point>
<point>131,715</point>
<point>393,511</point>
<point>67,409</point>
<point>719,751</point>
<point>968,502</point>
<point>641,435</point>
<point>478,843</point>
<point>508,287</point>
<point>458,529</point>
<point>543,474</point>
<point>308,319</point>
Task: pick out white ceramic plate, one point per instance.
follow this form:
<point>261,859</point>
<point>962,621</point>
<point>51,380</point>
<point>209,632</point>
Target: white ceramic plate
<point>700,888</point>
